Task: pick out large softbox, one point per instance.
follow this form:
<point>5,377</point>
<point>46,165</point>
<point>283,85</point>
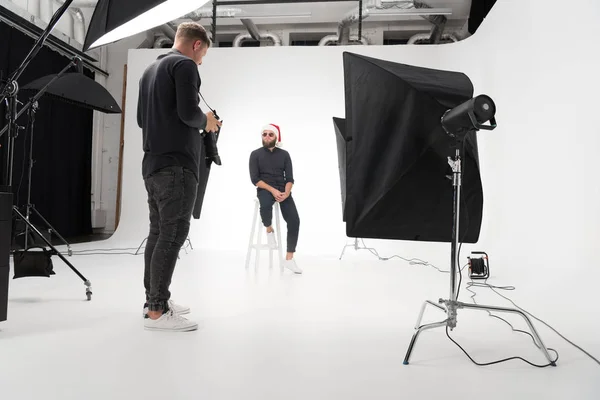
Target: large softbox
<point>395,162</point>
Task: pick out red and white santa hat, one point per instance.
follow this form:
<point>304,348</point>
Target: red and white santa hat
<point>274,128</point>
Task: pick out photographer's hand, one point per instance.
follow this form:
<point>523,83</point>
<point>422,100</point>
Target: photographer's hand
<point>212,124</point>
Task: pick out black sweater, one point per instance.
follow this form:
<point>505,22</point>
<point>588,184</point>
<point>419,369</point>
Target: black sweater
<point>272,167</point>
<point>169,114</point>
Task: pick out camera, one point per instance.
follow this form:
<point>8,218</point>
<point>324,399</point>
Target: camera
<point>210,144</point>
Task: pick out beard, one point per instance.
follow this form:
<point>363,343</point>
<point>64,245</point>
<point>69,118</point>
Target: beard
<point>269,144</point>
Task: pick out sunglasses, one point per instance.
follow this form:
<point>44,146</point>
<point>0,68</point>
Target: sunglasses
<point>269,134</point>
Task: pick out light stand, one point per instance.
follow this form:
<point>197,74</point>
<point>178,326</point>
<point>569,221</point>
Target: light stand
<point>29,207</point>
<point>459,122</point>
<point>10,93</point>
<point>356,247</point>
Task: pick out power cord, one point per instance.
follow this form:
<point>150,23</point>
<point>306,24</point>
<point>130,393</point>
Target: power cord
<point>493,288</point>
<point>119,251</point>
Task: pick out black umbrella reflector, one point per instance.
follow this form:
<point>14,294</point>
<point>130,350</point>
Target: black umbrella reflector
<point>393,153</point>
<point>78,89</point>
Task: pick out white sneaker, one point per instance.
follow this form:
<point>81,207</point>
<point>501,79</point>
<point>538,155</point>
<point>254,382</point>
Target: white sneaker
<point>170,321</point>
<point>177,309</point>
<point>291,265</point>
<point>271,240</point>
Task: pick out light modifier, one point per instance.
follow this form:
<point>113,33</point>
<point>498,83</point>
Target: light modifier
<point>114,20</point>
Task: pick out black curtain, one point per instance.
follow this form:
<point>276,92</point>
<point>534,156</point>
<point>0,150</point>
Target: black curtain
<point>62,143</point>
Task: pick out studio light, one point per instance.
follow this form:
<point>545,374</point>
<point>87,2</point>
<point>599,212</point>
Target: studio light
<point>404,127</point>
<point>469,116</point>
<point>114,20</point>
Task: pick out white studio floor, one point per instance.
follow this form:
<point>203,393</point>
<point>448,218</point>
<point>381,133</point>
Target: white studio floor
<point>339,331</point>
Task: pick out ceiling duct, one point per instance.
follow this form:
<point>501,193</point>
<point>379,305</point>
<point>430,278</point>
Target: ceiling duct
<point>333,40</point>
<point>353,17</point>
<point>251,27</point>
<point>424,38</point>
<point>237,42</point>
<point>254,33</point>
<point>438,21</point>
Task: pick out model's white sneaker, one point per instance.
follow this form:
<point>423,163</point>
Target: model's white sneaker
<point>272,242</point>
<point>177,308</point>
<point>170,321</point>
<point>291,265</point>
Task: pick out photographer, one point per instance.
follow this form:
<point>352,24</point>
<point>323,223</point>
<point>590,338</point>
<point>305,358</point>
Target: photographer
<point>171,120</point>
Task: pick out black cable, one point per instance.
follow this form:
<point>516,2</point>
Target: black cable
<point>503,360</point>
<point>554,330</point>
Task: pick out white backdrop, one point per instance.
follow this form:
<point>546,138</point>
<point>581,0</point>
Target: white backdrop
<point>538,167</point>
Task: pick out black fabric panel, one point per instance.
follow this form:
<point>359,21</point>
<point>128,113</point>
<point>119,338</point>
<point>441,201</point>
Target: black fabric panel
<point>62,150</point>
<point>396,167</point>
<point>479,10</point>
<point>109,14</point>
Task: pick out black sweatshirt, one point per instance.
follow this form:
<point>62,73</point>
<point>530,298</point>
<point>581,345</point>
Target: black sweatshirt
<point>272,167</point>
<point>169,114</point>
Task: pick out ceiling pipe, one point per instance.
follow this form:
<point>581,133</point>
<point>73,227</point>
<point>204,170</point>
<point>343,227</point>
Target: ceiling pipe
<point>438,21</point>
<point>353,17</point>
<point>77,16</point>
<point>263,35</point>
<point>333,39</point>
<point>426,37</point>
<point>251,27</point>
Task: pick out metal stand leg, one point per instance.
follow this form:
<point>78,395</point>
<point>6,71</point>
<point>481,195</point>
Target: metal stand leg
<point>51,229</point>
<point>356,247</point>
<point>88,290</point>
<point>140,247</point>
<point>452,304</point>
<point>423,311</point>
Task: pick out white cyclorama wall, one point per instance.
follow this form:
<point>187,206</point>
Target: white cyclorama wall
<point>300,89</point>
<point>539,166</point>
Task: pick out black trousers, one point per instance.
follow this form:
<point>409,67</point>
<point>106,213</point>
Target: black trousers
<point>288,211</point>
<point>171,197</point>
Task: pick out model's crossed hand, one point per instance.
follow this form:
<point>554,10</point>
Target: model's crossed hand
<point>279,196</point>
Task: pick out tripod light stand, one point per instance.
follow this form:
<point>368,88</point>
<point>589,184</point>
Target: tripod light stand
<point>459,122</point>
<point>10,92</point>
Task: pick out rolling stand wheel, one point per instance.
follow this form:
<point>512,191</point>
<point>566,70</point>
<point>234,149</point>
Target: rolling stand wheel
<point>88,290</point>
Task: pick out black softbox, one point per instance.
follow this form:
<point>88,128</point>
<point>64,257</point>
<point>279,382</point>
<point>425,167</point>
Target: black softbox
<point>393,153</point>
<point>110,14</point>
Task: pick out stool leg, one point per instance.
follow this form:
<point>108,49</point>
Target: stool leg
<point>279,243</point>
<point>251,236</point>
<point>258,246</point>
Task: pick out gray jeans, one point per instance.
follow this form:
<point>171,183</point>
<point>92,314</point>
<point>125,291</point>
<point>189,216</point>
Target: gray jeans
<point>171,197</point>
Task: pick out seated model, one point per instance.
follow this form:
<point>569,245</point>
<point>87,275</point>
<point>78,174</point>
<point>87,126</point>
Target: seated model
<point>271,173</point>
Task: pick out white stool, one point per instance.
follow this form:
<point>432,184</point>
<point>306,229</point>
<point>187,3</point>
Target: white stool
<point>258,227</point>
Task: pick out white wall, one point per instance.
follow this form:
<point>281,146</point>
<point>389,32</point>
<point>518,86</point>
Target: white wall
<point>108,137</point>
<point>538,167</point>
<point>283,85</point>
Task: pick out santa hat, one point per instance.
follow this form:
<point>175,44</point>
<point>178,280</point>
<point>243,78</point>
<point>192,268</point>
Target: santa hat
<point>274,128</point>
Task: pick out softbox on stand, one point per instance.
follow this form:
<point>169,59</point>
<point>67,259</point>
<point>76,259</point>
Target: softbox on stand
<point>393,153</point>
<point>409,150</point>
